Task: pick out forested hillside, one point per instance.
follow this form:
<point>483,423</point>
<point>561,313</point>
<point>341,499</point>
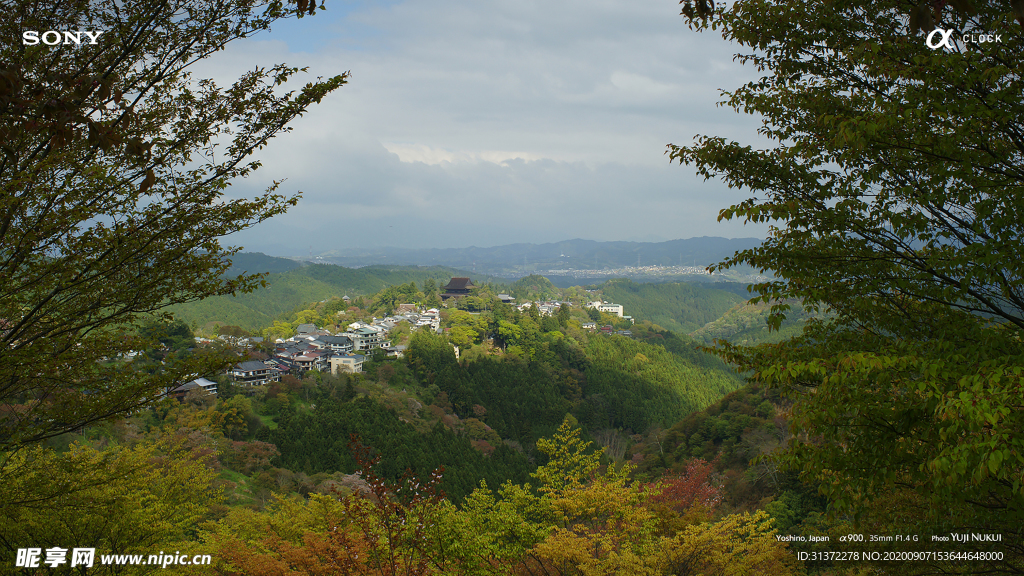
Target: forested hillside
<point>556,416</point>
<point>680,307</point>
<point>746,324</point>
<point>317,441</point>
<point>607,382</point>
<point>285,291</point>
<point>256,262</point>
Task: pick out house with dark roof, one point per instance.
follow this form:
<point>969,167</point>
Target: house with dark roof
<point>180,392</point>
<point>340,344</point>
<point>396,351</point>
<point>457,287</point>
<point>310,330</point>
<point>253,373</point>
<point>306,329</point>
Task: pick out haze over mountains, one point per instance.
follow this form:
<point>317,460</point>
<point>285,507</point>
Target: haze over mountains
<point>299,280</point>
<point>513,260</point>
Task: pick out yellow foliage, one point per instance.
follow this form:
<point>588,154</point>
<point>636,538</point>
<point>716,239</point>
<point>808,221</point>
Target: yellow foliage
<point>581,523</point>
<point>569,466</point>
<point>283,518</point>
<point>121,500</point>
<point>738,545</point>
<point>605,527</point>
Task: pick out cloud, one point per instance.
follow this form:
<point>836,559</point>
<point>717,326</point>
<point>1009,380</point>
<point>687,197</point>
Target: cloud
<point>493,121</point>
<point>428,155</point>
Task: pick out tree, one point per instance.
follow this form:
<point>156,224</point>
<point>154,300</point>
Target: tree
<point>564,314</point>
<point>430,287</point>
<point>894,189</point>
<point>385,531</point>
<point>121,501</point>
<point>603,523</point>
<point>112,193</point>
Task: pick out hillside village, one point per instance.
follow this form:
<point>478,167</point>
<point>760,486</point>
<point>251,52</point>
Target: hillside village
<point>313,348</point>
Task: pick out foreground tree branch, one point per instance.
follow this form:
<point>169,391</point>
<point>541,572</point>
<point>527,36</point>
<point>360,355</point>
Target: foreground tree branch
<point>111,202</point>
<point>895,192</point>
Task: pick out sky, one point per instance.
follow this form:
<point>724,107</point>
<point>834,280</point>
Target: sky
<point>490,122</point>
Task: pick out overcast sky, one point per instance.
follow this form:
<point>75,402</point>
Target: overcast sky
<point>489,122</point>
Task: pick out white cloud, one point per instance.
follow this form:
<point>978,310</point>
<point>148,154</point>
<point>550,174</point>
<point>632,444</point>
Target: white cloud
<point>492,121</point>
<point>436,156</point>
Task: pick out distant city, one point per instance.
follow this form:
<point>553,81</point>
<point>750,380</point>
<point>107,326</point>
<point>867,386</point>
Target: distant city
<point>570,260</point>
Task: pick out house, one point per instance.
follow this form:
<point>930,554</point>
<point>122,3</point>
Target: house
<point>457,287</point>
<point>341,344</point>
<point>430,318</point>
<point>300,358</point>
<point>347,363</point>
<point>277,367</point>
<point>310,330</point>
<point>396,351</point>
<point>506,298</point>
<point>180,392</point>
<point>368,338</point>
<point>606,307</point>
<point>406,309</point>
<point>303,363</point>
<point>253,373</point>
<point>549,308</point>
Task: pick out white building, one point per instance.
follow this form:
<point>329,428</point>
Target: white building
<point>347,363</point>
<point>367,338</point>
<point>606,307</point>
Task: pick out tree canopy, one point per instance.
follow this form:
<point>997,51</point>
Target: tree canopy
<point>894,188</point>
<point>112,198</point>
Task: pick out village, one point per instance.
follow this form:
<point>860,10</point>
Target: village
<point>315,348</point>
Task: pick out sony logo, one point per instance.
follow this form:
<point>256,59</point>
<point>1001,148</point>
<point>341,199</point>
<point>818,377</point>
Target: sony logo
<point>53,37</point>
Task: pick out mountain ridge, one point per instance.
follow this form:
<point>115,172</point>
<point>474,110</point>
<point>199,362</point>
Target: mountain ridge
<point>524,257</point>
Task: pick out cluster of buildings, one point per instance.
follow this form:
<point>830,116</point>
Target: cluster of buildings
<point>550,307</point>
<point>546,308</point>
<point>313,348</point>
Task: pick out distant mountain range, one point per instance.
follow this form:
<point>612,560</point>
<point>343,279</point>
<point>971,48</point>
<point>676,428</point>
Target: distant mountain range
<point>293,284</point>
<point>515,260</point>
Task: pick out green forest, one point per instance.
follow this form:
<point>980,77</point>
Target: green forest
<point>535,419</point>
<point>510,446</point>
<point>680,307</point>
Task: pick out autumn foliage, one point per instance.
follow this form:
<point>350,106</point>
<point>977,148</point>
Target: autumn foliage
<point>581,518</point>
